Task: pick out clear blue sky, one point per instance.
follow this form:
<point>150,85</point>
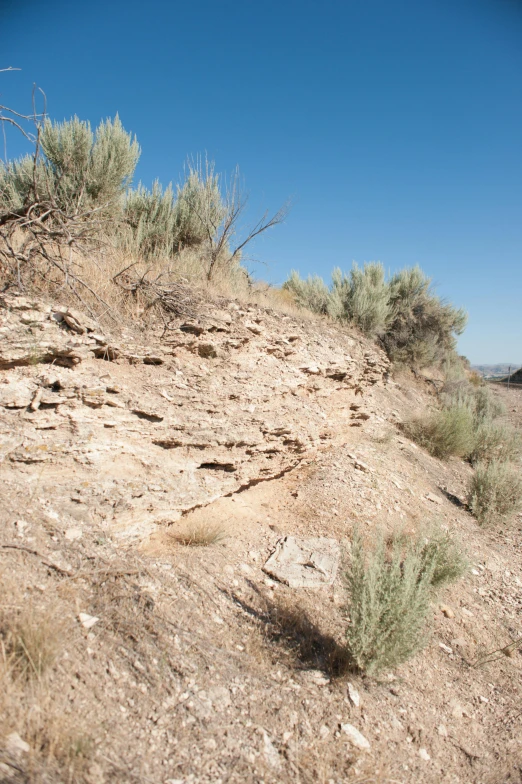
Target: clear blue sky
<point>394,125</point>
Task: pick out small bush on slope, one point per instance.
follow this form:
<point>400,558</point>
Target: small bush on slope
<point>390,589</point>
<point>439,550</point>
<point>495,492</point>
<point>422,326</point>
<point>79,169</point>
<point>450,431</point>
<point>412,323</point>
<point>494,441</point>
<point>311,294</point>
<point>362,298</point>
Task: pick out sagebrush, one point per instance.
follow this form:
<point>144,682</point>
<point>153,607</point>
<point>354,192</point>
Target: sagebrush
<point>390,587</point>
<point>495,492</point>
<point>414,326</point>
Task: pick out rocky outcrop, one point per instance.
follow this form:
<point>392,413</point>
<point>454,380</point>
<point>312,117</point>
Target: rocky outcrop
<point>213,406</point>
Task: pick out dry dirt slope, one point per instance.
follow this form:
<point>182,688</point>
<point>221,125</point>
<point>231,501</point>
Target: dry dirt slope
<point>168,663</point>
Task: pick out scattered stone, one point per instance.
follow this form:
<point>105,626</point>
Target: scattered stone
<point>152,359</point>
<point>445,647</point>
<point>147,413</point>
<point>317,677</point>
<point>355,737</point>
<point>270,752</point>
<point>16,746</point>
<point>304,563</point>
<point>72,534</point>
<point>324,732</point>
<point>17,393</point>
<point>423,754</point>
<point>219,697</point>
<point>443,732</point>
<point>457,711</point>
<point>77,321</point>
<point>361,466</point>
<point>447,611</point>
<point>87,621</point>
<point>353,695</point>
<point>434,498</point>
<point>256,329</point>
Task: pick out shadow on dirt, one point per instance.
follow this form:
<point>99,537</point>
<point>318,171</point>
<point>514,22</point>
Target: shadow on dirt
<point>454,499</point>
<point>292,629</point>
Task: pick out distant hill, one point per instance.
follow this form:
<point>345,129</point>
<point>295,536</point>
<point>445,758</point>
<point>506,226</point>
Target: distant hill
<point>492,371</point>
<point>515,378</point>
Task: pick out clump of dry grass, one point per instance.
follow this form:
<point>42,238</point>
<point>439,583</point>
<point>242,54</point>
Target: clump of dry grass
<point>203,534</point>
<point>59,748</point>
<point>30,641</point>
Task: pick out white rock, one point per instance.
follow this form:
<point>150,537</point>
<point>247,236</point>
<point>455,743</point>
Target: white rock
<point>15,744</point>
<point>445,647</point>
<point>324,732</point>
<point>271,753</point>
<point>433,498</point>
<point>73,533</point>
<point>443,732</point>
<point>353,695</point>
<point>424,755</point>
<point>355,737</point>
<point>87,621</point>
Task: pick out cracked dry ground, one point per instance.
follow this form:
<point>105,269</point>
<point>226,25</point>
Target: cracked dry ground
<point>199,668</point>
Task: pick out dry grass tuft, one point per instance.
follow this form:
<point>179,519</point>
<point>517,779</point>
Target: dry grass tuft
<point>30,641</point>
<point>59,748</point>
<point>200,535</point>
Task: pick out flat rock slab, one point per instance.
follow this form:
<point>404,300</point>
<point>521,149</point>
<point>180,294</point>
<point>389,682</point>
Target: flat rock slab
<point>304,563</point>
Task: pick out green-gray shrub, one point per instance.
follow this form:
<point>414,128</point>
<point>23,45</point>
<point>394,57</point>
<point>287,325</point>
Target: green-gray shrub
<point>312,294</point>
<point>199,208</point>
<point>442,553</point>
<point>450,431</point>
<point>494,440</point>
<point>364,297</point>
<point>79,170</point>
<point>495,492</point>
<point>422,327</point>
<point>148,218</point>
<point>390,587</point>
<point>413,324</point>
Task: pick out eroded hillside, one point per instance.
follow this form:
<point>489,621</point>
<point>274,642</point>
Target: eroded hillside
<point>157,661</point>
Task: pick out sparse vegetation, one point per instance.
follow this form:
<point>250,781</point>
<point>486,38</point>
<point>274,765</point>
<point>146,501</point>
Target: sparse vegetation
<point>72,196</point>
<point>443,556</point>
<point>390,587</point>
<point>447,432</point>
<point>494,441</point>
<point>466,426</point>
<point>495,492</point>
<point>200,535</point>
<point>30,641</point>
<point>411,322</point>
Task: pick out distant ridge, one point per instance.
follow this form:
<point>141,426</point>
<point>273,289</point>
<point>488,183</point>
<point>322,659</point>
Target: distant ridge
<point>493,371</point>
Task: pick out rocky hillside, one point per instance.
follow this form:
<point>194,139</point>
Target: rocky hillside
<point>265,438</point>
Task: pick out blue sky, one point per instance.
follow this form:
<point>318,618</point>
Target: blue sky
<point>393,125</point>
